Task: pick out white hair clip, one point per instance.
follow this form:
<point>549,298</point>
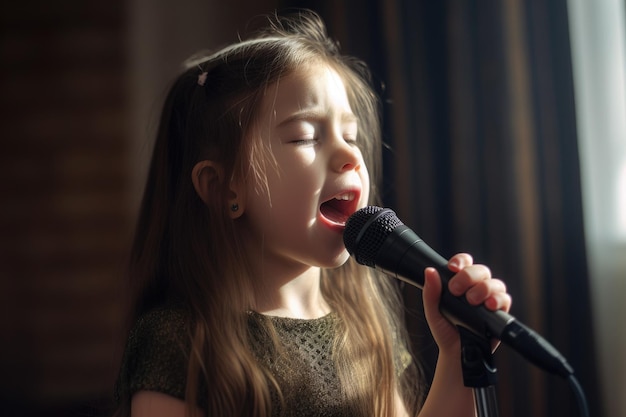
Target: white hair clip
<point>202,78</point>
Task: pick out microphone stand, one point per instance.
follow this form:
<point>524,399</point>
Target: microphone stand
<point>479,372</point>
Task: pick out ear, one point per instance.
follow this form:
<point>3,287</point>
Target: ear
<point>207,177</point>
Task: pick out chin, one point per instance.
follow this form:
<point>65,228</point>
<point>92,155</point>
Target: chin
<point>340,260</point>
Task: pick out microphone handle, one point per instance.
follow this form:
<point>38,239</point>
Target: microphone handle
<point>404,255</point>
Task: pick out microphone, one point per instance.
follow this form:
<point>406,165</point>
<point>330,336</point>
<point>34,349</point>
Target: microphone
<point>375,237</point>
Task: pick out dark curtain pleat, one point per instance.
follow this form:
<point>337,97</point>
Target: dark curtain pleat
<point>482,157</point>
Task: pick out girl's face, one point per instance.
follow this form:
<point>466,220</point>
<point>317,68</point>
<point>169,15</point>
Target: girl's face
<point>319,178</point>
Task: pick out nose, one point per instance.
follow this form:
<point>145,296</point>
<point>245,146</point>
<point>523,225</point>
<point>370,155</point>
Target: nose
<point>346,156</point>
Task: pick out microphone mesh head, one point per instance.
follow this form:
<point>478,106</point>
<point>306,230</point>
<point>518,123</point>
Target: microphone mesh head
<point>366,231</point>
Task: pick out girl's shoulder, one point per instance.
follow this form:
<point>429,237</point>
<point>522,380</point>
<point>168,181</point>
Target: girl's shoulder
<point>160,334</point>
<point>156,354</point>
<point>162,322</point>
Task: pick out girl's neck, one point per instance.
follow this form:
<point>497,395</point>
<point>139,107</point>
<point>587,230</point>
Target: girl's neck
<point>299,296</point>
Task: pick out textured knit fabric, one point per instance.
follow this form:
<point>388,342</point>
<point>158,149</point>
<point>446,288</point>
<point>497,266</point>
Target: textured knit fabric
<point>304,366</point>
<point>156,356</point>
<point>157,353</point>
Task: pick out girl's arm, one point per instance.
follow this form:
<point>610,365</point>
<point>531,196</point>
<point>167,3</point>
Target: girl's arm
<point>157,404</point>
<point>448,396</point>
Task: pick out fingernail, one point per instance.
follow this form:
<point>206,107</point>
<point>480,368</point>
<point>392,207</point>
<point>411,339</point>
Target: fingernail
<point>471,298</point>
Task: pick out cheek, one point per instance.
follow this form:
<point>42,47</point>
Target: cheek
<point>299,174</point>
<point>283,188</point>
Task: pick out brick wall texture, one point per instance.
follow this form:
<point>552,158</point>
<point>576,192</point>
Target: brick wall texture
<point>65,215</point>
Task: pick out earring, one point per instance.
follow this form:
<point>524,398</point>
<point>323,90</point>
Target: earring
<point>234,207</point>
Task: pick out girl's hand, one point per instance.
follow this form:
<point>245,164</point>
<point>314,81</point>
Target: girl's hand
<point>472,281</point>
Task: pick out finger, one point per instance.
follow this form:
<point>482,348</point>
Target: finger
<point>482,290</point>
<point>499,301</point>
<point>460,261</point>
<point>431,295</point>
<point>445,334</point>
<point>432,288</point>
<point>467,278</point>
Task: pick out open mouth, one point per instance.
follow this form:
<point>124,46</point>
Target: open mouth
<point>338,209</point>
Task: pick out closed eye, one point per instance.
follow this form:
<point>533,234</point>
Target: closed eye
<point>351,132</point>
<point>302,142</point>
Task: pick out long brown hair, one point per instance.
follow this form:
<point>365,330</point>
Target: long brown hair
<point>187,251</point>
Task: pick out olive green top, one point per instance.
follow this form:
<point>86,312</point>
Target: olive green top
<point>156,359</point>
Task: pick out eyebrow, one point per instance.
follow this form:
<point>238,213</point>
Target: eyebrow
<point>315,115</point>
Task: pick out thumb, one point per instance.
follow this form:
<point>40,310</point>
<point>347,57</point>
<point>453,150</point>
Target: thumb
<point>431,293</point>
<point>445,334</point>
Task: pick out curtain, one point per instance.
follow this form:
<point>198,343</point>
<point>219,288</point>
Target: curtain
<point>481,157</point>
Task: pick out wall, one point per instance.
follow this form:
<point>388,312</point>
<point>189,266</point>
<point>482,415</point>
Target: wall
<point>598,33</point>
<point>64,215</point>
<point>80,84</point>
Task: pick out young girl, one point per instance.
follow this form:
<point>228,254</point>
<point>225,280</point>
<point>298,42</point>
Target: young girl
<point>246,301</point>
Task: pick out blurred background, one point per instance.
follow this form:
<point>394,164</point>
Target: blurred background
<point>505,126</point>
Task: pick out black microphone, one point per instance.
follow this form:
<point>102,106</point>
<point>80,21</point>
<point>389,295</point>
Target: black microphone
<point>378,239</point>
